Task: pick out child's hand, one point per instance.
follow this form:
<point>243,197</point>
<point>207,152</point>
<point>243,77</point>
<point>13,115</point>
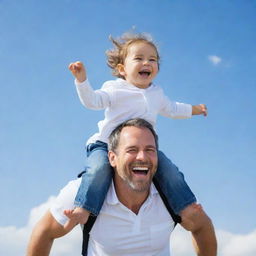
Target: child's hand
<point>76,216</point>
<point>78,71</point>
<point>200,109</point>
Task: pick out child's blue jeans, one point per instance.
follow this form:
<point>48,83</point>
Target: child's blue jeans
<point>98,174</point>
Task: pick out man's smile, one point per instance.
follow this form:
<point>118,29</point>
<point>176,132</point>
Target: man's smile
<point>141,170</point>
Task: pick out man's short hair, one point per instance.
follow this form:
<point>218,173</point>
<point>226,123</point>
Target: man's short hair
<point>114,137</point>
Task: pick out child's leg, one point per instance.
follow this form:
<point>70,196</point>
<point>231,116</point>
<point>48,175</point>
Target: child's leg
<point>95,180</point>
<point>173,184</point>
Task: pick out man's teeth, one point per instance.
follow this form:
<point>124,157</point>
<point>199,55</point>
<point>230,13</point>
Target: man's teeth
<point>140,169</point>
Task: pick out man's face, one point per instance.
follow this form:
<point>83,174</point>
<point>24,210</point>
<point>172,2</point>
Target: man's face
<point>135,159</point>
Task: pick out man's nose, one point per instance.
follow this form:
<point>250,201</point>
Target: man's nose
<point>141,155</point>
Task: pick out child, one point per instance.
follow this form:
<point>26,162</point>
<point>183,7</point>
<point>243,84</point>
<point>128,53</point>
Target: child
<point>135,61</point>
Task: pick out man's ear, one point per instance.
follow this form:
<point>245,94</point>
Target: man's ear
<point>112,158</point>
<point>120,69</point>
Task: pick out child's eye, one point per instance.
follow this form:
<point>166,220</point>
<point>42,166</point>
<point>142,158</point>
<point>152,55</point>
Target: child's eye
<point>153,60</point>
<point>138,58</point>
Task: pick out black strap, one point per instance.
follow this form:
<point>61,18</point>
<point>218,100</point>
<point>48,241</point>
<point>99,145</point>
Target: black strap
<point>86,230</point>
<point>176,218</point>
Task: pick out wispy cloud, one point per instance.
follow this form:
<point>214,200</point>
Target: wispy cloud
<point>229,244</point>
<point>237,244</point>
<point>215,60</point>
<point>15,239</point>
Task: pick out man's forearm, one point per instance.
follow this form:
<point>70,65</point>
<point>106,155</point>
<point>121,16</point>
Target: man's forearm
<point>194,219</point>
<point>39,246</point>
<point>204,240</point>
<point>43,235</point>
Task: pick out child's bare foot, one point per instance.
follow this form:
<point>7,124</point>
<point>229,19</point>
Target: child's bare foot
<point>76,216</point>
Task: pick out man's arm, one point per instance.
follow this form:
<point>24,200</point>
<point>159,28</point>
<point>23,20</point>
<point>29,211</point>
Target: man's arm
<point>195,220</point>
<point>43,235</point>
<point>49,227</point>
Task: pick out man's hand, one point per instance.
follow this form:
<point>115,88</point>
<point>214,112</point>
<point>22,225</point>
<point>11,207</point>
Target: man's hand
<point>78,71</point>
<point>200,109</point>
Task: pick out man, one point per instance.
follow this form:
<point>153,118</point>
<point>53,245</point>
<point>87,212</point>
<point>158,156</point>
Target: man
<point>133,219</point>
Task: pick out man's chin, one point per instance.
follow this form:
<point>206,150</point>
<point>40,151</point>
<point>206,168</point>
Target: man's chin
<point>140,186</point>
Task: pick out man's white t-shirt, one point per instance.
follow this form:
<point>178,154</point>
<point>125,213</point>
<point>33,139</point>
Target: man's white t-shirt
<point>118,231</point>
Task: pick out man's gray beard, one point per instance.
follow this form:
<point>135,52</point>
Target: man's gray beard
<point>139,186</point>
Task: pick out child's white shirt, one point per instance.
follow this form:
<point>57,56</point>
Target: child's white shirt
<point>123,101</point>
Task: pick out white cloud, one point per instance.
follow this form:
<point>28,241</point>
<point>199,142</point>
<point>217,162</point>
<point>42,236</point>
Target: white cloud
<point>13,240</point>
<point>215,60</point>
<point>237,245</point>
<point>181,242</point>
<point>228,244</point>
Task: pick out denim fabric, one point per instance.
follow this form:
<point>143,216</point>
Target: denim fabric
<point>173,184</point>
<point>98,173</point>
<point>96,178</point>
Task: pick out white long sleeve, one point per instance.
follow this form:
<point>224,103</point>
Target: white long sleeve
<point>96,100</point>
<point>123,101</point>
<point>175,110</point>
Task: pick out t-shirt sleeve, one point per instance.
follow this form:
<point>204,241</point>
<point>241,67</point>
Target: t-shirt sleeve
<point>65,201</point>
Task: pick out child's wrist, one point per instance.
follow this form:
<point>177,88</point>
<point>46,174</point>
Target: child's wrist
<point>80,81</point>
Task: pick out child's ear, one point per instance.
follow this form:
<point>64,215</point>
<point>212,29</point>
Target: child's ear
<point>120,69</point>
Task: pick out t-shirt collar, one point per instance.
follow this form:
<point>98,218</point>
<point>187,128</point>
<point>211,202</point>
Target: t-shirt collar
<point>112,198</point>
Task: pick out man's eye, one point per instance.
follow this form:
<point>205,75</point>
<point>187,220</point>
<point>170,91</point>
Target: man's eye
<point>151,150</point>
<point>131,150</point>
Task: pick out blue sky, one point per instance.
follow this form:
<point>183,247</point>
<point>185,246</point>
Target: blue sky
<point>208,56</point>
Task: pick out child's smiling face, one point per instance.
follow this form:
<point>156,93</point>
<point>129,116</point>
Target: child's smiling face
<point>140,65</point>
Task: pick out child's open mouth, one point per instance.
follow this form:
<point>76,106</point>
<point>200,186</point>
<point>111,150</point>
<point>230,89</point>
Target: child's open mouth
<point>145,73</point>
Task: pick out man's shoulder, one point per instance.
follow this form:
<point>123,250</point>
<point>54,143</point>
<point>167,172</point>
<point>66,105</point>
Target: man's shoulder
<point>65,200</point>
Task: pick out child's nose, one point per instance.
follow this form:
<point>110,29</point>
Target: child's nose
<point>146,62</point>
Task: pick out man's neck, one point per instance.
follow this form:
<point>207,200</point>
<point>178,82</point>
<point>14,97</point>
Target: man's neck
<point>130,198</point>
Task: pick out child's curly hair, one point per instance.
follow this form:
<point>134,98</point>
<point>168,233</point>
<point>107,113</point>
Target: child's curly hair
<point>118,54</point>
